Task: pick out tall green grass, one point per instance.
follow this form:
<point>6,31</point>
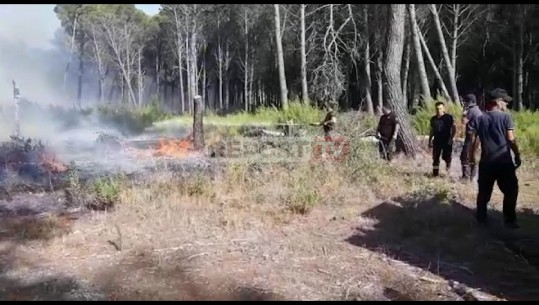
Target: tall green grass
<point>296,112</point>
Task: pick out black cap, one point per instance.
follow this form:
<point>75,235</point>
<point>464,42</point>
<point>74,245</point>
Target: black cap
<point>497,94</point>
<point>469,99</point>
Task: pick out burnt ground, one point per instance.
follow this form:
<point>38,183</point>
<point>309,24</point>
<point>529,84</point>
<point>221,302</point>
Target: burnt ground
<point>164,247</point>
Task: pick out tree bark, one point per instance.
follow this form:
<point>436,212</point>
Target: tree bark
<point>454,39</point>
<point>367,62</point>
<point>445,54</point>
<point>246,64</point>
<point>81,74</point>
<point>422,72</point>
<point>392,69</point>
<point>304,89</point>
<point>520,63</point>
<point>433,65</point>
<point>72,46</point>
<point>405,69</point>
<point>198,124</point>
<point>282,76</point>
<point>379,81</point>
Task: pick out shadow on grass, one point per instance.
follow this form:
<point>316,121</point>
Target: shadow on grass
<point>16,231</point>
<point>441,236</point>
<point>154,276</point>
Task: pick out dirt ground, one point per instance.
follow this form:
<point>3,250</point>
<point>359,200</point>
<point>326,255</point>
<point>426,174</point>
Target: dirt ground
<point>166,246</point>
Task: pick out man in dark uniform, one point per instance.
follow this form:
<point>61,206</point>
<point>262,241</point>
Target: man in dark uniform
<point>495,131</point>
<point>471,112</point>
<point>328,124</point>
<point>386,132</point>
<point>442,133</point>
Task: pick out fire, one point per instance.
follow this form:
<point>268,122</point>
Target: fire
<point>173,148</point>
<point>49,162</point>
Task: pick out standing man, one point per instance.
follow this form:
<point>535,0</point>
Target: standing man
<point>328,124</point>
<point>386,132</point>
<point>471,112</point>
<point>495,130</point>
<point>442,133</point>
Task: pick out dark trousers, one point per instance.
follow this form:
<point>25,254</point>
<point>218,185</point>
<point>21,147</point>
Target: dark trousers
<point>506,178</point>
<point>385,147</point>
<point>468,170</point>
<point>443,150</point>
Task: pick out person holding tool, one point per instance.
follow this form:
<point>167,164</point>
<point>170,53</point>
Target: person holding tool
<point>386,133</point>
<point>328,124</point>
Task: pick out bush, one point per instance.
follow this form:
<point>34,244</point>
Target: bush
<point>104,193</point>
<point>131,121</point>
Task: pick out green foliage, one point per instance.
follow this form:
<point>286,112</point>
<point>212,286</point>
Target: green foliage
<point>131,121</point>
<point>303,197</point>
<point>527,132</point>
<point>296,112</point>
<point>105,192</point>
<point>198,186</point>
<point>422,116</point>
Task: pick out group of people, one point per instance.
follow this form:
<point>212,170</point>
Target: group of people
<point>492,129</point>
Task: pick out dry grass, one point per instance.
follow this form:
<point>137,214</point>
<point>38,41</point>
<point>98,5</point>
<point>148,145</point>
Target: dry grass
<point>301,231</point>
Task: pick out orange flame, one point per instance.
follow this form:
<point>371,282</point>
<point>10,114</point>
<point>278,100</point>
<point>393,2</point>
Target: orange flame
<point>49,162</point>
<point>173,148</point>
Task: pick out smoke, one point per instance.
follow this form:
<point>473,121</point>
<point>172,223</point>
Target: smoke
<point>34,52</point>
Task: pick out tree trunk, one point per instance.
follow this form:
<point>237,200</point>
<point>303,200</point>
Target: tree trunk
<point>423,79</point>
<point>433,65</point>
<point>405,68</point>
<point>447,60</point>
<point>367,62</point>
<point>198,124</point>
<point>520,63</point>
<point>157,74</point>
<point>81,73</point>
<point>279,43</point>
<point>190,93</point>
<point>72,46</point>
<point>379,80</point>
<point>251,80</point>
<point>220,74</point>
<point>204,99</point>
<point>180,75</point>
<point>194,67</point>
<point>304,89</point>
<point>454,38</point>
<point>227,92</point>
<point>226,76</point>
<point>140,78</point>
<point>246,63</point>
<point>392,69</point>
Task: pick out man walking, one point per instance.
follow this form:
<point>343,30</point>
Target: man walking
<point>386,132</point>
<point>495,130</point>
<point>442,133</point>
<point>471,112</point>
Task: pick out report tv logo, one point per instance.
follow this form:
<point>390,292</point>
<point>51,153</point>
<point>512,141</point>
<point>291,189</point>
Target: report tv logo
<point>285,149</point>
<point>330,149</point>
